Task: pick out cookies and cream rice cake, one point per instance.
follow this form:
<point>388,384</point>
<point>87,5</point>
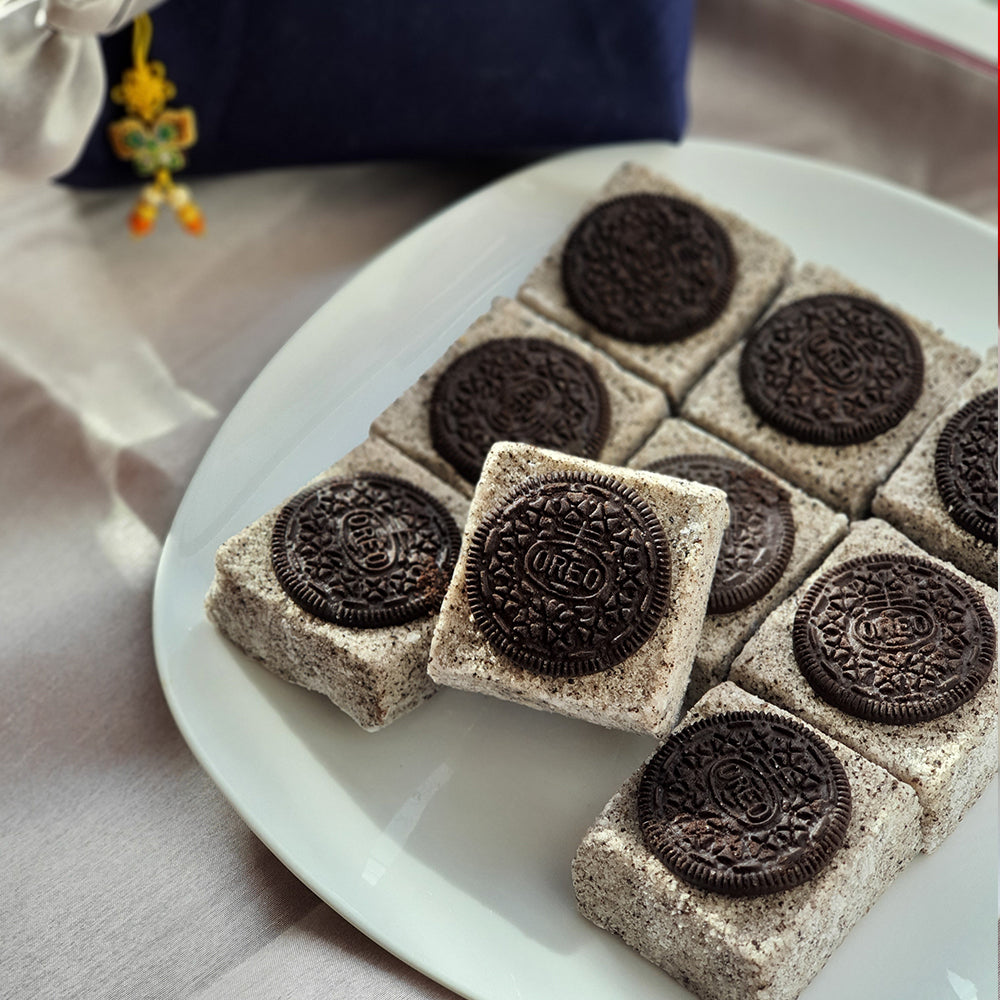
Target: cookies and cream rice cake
<point>512,376</point>
<point>831,388</point>
<point>893,653</point>
<point>944,493</point>
<point>338,588</point>
<point>776,536</point>
<point>658,277</point>
<point>740,855</point>
<point>580,589</point>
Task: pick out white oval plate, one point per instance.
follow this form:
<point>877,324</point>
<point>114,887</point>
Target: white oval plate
<point>447,837</point>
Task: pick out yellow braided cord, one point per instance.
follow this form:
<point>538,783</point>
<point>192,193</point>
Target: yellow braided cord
<point>142,38</point>
<point>145,89</point>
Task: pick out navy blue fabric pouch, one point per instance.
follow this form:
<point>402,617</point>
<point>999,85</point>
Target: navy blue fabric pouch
<point>317,81</point>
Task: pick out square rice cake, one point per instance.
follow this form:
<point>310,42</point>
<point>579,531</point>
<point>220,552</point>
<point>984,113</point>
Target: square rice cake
<point>371,546</point>
<point>762,263</point>
<point>961,528</point>
<point>570,397</point>
<point>777,535</point>
<point>814,384</point>
<point>765,947</point>
<point>580,588</point>
<point>888,643</point>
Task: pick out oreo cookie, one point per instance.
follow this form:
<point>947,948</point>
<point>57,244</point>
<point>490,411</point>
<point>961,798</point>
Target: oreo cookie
<point>520,389</point>
<point>832,369</point>
<point>744,804</point>
<point>367,551</point>
<point>569,574</point>
<point>758,543</point>
<point>894,639</point>
<point>965,467</point>
<point>648,268</point>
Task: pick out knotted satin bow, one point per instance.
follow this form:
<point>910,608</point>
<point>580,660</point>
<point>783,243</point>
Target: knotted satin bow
<point>52,78</point>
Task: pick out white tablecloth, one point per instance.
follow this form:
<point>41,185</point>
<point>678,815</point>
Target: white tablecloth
<point>125,872</point>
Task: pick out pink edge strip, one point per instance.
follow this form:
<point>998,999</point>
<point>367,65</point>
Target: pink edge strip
<point>908,34</point>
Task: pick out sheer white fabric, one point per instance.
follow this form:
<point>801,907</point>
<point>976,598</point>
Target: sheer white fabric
<point>52,79</point>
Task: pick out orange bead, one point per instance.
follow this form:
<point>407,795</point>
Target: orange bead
<point>191,218</point>
<point>142,219</point>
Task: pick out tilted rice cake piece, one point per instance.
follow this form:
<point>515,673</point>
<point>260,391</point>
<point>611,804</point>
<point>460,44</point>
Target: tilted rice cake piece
<point>580,588</point>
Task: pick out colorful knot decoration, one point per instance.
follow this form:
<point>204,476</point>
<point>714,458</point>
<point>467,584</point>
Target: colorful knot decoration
<point>154,137</point>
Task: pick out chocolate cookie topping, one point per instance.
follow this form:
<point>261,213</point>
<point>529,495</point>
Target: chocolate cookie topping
<point>832,369</point>
<point>517,389</point>
<point>761,534</point>
<point>744,804</point>
<point>965,467</point>
<point>366,551</point>
<point>894,639</point>
<point>569,574</point>
<point>649,269</point>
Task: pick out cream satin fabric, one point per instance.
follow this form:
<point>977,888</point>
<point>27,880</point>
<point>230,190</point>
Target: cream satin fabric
<point>52,79</point>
